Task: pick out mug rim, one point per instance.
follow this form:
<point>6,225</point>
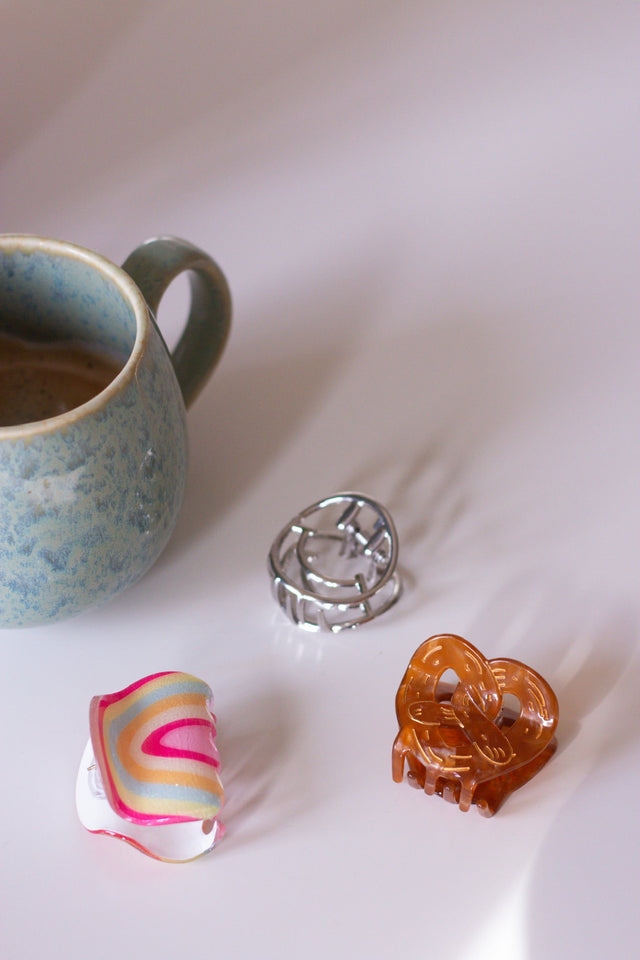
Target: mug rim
<point>30,243</point>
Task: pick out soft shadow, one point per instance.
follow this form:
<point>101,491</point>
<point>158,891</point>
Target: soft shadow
<point>427,499</point>
<point>447,388</point>
<point>438,391</point>
<point>611,644</point>
<point>579,642</point>
<point>584,885</point>
<point>246,423</point>
<point>262,395</point>
<point>260,798</point>
<point>44,73</point>
<point>220,60</point>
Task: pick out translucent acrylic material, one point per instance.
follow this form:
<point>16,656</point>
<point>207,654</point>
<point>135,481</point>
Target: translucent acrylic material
<point>465,741</point>
<point>149,774</point>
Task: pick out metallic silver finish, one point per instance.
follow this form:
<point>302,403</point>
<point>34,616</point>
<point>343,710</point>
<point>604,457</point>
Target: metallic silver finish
<point>333,566</point>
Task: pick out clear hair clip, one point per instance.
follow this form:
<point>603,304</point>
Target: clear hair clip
<point>149,774</point>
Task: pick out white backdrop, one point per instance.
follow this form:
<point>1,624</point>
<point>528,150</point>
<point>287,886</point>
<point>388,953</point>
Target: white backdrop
<point>428,216</point>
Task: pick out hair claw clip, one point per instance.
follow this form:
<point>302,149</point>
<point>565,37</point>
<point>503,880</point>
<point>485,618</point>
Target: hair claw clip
<point>462,741</point>
<point>333,567</point>
<point>149,773</point>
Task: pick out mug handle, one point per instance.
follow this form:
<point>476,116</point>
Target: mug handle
<point>153,266</point>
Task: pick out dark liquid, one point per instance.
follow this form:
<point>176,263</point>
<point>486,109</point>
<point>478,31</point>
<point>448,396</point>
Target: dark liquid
<point>41,380</point>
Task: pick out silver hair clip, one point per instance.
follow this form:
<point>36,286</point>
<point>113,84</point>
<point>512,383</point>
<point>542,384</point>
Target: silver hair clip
<point>333,566</point>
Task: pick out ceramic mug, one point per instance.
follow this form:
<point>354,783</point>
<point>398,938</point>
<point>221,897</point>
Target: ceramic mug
<point>89,497</point>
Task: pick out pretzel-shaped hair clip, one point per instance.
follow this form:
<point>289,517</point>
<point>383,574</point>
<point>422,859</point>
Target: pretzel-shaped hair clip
<point>461,741</point>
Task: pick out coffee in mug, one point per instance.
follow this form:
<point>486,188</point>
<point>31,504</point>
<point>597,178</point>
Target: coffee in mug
<point>43,380</point>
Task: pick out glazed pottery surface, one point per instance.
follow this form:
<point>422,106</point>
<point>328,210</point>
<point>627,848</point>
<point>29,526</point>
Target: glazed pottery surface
<point>88,499</point>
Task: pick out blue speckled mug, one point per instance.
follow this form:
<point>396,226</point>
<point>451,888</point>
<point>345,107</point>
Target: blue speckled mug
<point>89,498</point>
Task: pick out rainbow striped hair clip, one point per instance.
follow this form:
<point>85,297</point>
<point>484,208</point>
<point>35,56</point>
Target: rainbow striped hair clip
<point>150,771</point>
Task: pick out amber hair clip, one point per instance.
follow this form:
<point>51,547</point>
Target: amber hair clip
<point>465,741</point>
